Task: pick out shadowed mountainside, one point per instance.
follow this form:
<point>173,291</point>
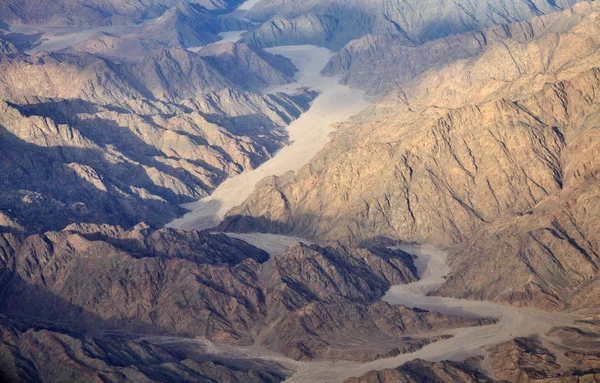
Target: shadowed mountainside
<point>211,286</point>
<point>42,355</point>
<point>94,13</point>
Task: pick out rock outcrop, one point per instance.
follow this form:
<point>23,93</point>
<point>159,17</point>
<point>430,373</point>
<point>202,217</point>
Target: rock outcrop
<point>522,360</point>
<point>309,302</point>
<point>37,355</point>
<point>134,140</point>
<point>526,360</point>
<point>495,153</point>
<point>419,370</point>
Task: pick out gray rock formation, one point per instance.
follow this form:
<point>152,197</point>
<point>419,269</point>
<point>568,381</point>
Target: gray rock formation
<point>93,13</point>
<point>381,63</point>
<point>335,23</point>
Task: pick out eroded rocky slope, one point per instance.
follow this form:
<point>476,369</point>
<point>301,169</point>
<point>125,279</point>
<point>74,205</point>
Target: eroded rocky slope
<point>381,63</point>
<point>335,23</point>
<point>210,286</point>
<point>88,140</point>
<point>495,153</point>
<point>41,355</point>
<point>521,360</point>
<point>419,370</point>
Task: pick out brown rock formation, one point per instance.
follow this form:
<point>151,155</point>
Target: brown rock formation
<point>40,355</point>
<point>494,153</point>
<point>525,360</point>
<point>418,371</point>
<point>309,302</point>
<point>134,140</point>
<point>521,360</point>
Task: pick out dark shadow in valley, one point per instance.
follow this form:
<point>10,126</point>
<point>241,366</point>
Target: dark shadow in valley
<point>44,191</point>
<point>36,306</point>
<point>109,133</point>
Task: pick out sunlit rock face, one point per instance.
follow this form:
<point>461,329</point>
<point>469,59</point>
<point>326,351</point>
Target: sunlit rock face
<point>88,140</point>
<point>493,152</point>
<point>463,132</point>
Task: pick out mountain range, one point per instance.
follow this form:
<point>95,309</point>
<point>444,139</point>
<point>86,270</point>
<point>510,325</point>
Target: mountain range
<point>497,161</point>
<point>336,23</point>
<point>176,124</point>
<point>480,138</point>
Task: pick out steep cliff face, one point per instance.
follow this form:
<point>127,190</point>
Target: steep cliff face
<point>134,140</point>
<point>335,23</point>
<point>210,286</point>
<point>481,143</point>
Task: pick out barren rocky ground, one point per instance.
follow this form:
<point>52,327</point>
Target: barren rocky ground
<point>382,191</point>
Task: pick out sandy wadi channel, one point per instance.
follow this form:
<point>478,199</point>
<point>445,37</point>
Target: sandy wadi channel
<point>308,135</point>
